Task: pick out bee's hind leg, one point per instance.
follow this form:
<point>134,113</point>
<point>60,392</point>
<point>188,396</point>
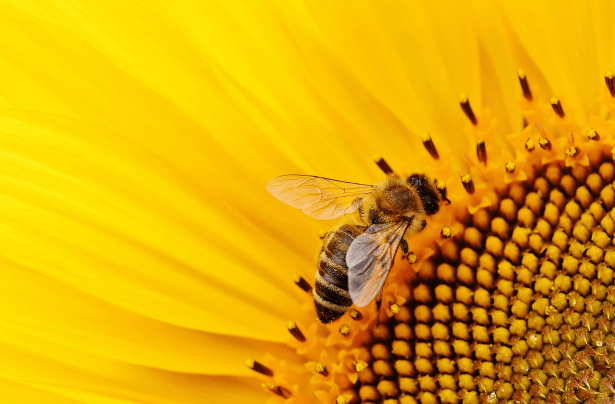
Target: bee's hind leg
<point>403,244</point>
<point>378,305</point>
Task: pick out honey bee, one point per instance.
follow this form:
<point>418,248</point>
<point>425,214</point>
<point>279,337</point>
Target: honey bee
<point>356,257</point>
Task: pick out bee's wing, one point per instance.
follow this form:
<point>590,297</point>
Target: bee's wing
<point>370,258</point>
<point>320,198</point>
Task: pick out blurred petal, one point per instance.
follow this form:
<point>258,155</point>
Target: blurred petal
<point>105,225</point>
<point>18,393</point>
<point>83,322</point>
<point>89,378</point>
<point>137,137</point>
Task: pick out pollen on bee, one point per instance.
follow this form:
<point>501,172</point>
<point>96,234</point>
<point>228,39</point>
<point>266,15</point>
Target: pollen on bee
<point>383,165</point>
<point>467,109</point>
<point>592,134</point>
<point>510,167</point>
<point>277,390</point>
<point>557,107</point>
<point>527,93</point>
<point>429,145</point>
<point>609,78</point>
<point>466,181</point>
<point>295,331</point>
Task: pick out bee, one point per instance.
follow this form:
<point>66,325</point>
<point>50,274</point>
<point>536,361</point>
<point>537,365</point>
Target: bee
<point>356,257</point>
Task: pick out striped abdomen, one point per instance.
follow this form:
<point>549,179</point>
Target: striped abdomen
<point>331,296</point>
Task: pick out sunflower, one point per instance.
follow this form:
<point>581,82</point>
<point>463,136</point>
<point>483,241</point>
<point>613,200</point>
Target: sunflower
<point>145,262</point>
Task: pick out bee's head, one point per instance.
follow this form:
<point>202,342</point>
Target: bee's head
<point>429,195</point>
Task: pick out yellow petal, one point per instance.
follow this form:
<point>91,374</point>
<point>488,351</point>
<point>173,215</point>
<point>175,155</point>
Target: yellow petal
<point>556,35</point>
<point>83,322</point>
<point>110,228</point>
<point>18,393</point>
<point>88,378</point>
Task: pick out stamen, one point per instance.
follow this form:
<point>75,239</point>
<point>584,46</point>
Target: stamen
<point>467,109</point>
<point>383,165</point>
<point>572,150</point>
<point>557,107</point>
<point>321,369</point>
<point>259,367</point>
<point>429,145</point>
<point>302,283</point>
<point>441,186</point>
<point>530,145</point>
<point>295,331</point>
<point>544,143</point>
<point>613,152</point>
<point>609,77</point>
<point>527,93</point>
<point>355,314</point>
<point>359,366</point>
<point>345,330</point>
<point>592,134</point>
<point>412,258</point>
<point>322,233</point>
<point>394,307</point>
<point>446,231</point>
<point>466,181</point>
<point>277,390</point>
<point>510,167</point>
<point>481,151</point>
<point>341,400</point>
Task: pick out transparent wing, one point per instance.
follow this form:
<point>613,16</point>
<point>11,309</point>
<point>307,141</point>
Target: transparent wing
<point>320,198</point>
<point>370,258</point>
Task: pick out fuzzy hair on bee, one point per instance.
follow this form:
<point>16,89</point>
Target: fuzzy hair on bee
<point>356,256</point>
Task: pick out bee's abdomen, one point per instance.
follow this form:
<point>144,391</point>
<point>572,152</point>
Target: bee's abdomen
<point>331,296</point>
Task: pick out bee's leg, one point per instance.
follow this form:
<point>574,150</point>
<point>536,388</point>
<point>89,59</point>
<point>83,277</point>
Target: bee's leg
<point>378,304</point>
<point>404,247</point>
<point>423,224</point>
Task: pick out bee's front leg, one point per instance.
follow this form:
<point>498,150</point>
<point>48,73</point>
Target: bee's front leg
<point>423,224</point>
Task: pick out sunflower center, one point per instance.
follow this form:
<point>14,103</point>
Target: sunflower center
<point>523,312</point>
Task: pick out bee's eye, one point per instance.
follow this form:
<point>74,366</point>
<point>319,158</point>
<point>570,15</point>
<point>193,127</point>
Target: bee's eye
<point>431,207</point>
